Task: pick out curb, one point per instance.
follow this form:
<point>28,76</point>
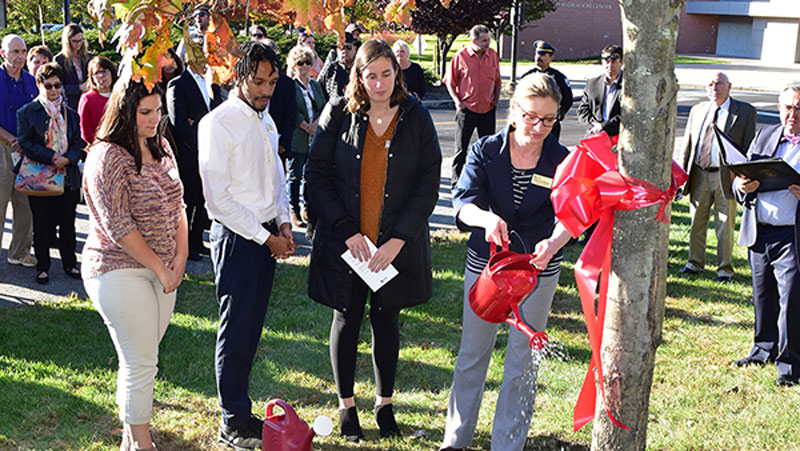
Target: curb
<point>449,105</point>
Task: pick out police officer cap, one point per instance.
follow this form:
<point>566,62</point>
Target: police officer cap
<point>543,46</point>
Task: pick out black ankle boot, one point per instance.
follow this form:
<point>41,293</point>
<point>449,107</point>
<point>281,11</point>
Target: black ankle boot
<point>384,416</point>
<point>348,422</point>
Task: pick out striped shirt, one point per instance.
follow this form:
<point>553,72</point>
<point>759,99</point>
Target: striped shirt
<point>121,201</point>
<point>520,181</point>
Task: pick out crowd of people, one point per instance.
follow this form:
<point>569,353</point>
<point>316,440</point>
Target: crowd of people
<point>344,148</point>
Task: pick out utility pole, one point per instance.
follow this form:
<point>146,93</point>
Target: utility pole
<point>516,15</point>
<point>3,14</point>
<point>66,13</point>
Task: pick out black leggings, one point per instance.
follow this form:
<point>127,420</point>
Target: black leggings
<point>344,343</point>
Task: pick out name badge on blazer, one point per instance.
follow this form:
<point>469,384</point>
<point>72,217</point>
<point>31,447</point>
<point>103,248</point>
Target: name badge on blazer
<point>542,181</point>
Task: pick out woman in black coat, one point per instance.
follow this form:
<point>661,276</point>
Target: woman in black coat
<point>373,172</point>
<point>74,61</point>
<point>49,132</point>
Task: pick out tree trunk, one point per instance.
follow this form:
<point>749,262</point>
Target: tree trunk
<point>443,44</point>
<point>637,283</point>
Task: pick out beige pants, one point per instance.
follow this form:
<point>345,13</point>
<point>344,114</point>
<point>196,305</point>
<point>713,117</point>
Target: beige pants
<point>706,191</point>
<point>22,226</point>
<point>137,312</point>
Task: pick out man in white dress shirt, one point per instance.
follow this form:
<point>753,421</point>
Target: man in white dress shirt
<point>243,184</point>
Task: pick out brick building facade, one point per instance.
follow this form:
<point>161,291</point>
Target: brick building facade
<point>768,30</point>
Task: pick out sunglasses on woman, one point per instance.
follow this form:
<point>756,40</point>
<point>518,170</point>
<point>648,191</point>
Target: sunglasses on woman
<point>304,63</point>
<point>48,86</point>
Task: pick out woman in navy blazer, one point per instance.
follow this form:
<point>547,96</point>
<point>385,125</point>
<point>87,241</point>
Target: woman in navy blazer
<point>504,187</point>
<point>49,132</point>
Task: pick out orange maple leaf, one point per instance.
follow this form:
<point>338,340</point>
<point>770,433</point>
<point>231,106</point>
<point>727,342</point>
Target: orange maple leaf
<point>399,11</point>
<point>152,61</point>
<point>195,57</point>
<point>307,12</point>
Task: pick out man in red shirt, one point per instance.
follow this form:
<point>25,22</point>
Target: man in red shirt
<point>473,81</point>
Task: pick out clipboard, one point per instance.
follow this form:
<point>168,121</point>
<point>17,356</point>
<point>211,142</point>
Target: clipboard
<point>772,173</point>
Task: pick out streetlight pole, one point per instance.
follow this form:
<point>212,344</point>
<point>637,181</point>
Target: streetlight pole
<point>516,10</point>
<point>66,13</point>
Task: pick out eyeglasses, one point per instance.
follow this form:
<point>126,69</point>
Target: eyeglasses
<point>793,109</point>
<point>101,72</point>
<point>609,58</point>
<point>49,86</point>
<point>76,41</point>
<point>532,119</point>
<point>257,35</point>
<point>303,63</point>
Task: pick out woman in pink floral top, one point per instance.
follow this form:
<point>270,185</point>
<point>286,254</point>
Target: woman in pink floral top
<point>134,257</point>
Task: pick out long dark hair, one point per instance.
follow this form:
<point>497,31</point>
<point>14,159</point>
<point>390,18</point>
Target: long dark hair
<point>118,125</point>
<point>356,95</point>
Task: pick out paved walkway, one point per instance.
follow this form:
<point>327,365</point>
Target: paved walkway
<point>18,287</point>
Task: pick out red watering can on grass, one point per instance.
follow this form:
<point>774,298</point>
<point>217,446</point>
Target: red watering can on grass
<point>288,432</point>
<point>504,282</point>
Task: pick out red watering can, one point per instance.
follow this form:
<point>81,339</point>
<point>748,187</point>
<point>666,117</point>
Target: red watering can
<point>288,432</point>
<point>504,282</point>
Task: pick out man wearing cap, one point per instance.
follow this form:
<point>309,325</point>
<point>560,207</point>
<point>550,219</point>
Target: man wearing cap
<point>544,56</point>
<point>600,109</point>
<point>473,81</point>
<point>258,33</point>
<point>336,73</point>
<point>710,182</point>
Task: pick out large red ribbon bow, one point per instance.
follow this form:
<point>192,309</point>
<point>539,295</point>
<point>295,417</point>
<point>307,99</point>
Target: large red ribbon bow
<point>588,187</point>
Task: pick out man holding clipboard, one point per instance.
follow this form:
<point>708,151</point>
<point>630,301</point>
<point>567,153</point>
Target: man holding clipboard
<point>770,231</point>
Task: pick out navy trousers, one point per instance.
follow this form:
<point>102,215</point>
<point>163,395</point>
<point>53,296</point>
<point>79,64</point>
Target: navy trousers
<point>776,295</point>
<point>243,272</point>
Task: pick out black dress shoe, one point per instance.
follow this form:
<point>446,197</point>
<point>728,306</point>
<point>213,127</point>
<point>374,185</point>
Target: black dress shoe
<point>786,381</point>
<point>724,279</point>
<point>194,256</point>
<point>749,360</point>
<point>688,270</point>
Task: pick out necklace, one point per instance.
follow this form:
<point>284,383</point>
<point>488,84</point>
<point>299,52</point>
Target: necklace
<point>379,117</point>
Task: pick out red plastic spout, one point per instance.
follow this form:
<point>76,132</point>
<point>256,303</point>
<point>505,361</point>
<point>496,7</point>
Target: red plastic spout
<point>537,340</point>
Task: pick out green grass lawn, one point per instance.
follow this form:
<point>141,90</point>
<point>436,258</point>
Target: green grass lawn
<point>58,367</point>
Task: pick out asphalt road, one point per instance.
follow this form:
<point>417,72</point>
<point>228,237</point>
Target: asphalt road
<point>17,284</point>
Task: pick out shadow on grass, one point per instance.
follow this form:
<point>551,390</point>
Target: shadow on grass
<point>50,418</point>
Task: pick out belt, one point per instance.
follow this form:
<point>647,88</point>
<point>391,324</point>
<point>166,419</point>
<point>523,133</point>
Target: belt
<point>775,227</point>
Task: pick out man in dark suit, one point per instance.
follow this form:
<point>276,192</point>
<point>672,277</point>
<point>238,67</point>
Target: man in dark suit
<point>544,56</point>
<point>599,109</point>
<point>188,100</point>
<point>771,231</point>
<point>709,181</point>
<point>282,107</point>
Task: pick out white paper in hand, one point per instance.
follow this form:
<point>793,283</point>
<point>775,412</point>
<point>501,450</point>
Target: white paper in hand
<point>374,280</point>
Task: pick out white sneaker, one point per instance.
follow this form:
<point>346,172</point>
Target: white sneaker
<point>28,261</point>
